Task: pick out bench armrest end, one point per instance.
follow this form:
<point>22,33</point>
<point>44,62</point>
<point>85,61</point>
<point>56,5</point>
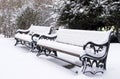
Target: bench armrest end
<point>48,37</point>
<point>22,31</point>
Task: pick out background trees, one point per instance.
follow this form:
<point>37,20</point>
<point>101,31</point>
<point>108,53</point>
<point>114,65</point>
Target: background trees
<point>82,14</point>
<point>28,17</point>
<point>15,14</point>
<point>90,14</point>
<point>75,14</point>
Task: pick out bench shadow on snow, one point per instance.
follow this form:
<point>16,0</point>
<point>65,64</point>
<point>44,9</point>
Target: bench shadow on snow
<point>72,68</point>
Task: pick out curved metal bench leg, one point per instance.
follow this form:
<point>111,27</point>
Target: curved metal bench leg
<point>55,53</point>
<point>16,42</point>
<point>91,64</point>
<point>39,50</point>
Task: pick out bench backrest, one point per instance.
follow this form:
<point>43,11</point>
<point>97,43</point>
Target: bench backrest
<point>81,37</point>
<point>39,29</point>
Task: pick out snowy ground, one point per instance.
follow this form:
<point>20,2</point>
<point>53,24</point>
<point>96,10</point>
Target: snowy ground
<point>17,62</point>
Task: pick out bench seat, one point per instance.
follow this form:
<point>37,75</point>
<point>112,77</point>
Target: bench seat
<point>71,49</point>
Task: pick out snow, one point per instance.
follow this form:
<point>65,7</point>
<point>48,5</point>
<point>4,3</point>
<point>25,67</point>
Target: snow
<point>25,37</point>
<point>81,37</point>
<point>17,62</point>
<point>61,46</point>
<point>42,30</point>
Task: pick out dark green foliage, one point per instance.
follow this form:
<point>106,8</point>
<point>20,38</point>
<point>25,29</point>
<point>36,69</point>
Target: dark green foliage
<point>28,17</point>
<point>96,14</point>
<point>114,39</point>
<point>89,19</point>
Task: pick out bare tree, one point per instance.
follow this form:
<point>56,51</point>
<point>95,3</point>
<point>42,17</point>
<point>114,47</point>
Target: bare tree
<point>11,9</point>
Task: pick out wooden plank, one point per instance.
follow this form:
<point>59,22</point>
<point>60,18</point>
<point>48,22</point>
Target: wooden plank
<point>62,51</point>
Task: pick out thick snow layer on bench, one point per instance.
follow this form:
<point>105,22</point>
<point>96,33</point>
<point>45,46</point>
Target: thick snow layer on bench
<point>81,37</point>
<point>61,46</point>
<point>25,37</point>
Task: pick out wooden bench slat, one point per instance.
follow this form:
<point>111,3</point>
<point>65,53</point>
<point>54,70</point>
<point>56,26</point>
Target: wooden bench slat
<point>62,51</point>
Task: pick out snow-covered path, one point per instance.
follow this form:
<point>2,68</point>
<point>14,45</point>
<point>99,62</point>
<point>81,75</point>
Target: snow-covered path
<point>17,62</point>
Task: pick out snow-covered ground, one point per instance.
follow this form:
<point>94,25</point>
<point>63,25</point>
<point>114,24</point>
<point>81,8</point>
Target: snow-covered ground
<point>17,62</point>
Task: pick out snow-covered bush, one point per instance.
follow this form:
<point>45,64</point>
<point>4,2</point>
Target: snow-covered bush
<point>14,14</point>
<point>89,14</point>
<point>81,14</point>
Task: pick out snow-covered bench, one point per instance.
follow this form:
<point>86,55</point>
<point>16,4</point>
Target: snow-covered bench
<point>25,37</point>
<point>90,46</point>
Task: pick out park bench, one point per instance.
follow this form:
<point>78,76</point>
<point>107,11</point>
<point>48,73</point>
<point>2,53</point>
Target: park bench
<point>25,37</point>
<point>91,47</point>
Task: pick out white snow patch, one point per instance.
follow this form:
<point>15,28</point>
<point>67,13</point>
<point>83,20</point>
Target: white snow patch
<point>17,62</point>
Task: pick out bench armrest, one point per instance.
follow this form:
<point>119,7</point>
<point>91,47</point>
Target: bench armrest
<point>94,54</point>
<point>94,44</point>
<point>35,37</point>
<point>48,37</point>
<point>22,31</point>
<point>96,50</point>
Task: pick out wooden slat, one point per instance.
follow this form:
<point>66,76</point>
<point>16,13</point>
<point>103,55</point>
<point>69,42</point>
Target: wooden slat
<point>62,51</point>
